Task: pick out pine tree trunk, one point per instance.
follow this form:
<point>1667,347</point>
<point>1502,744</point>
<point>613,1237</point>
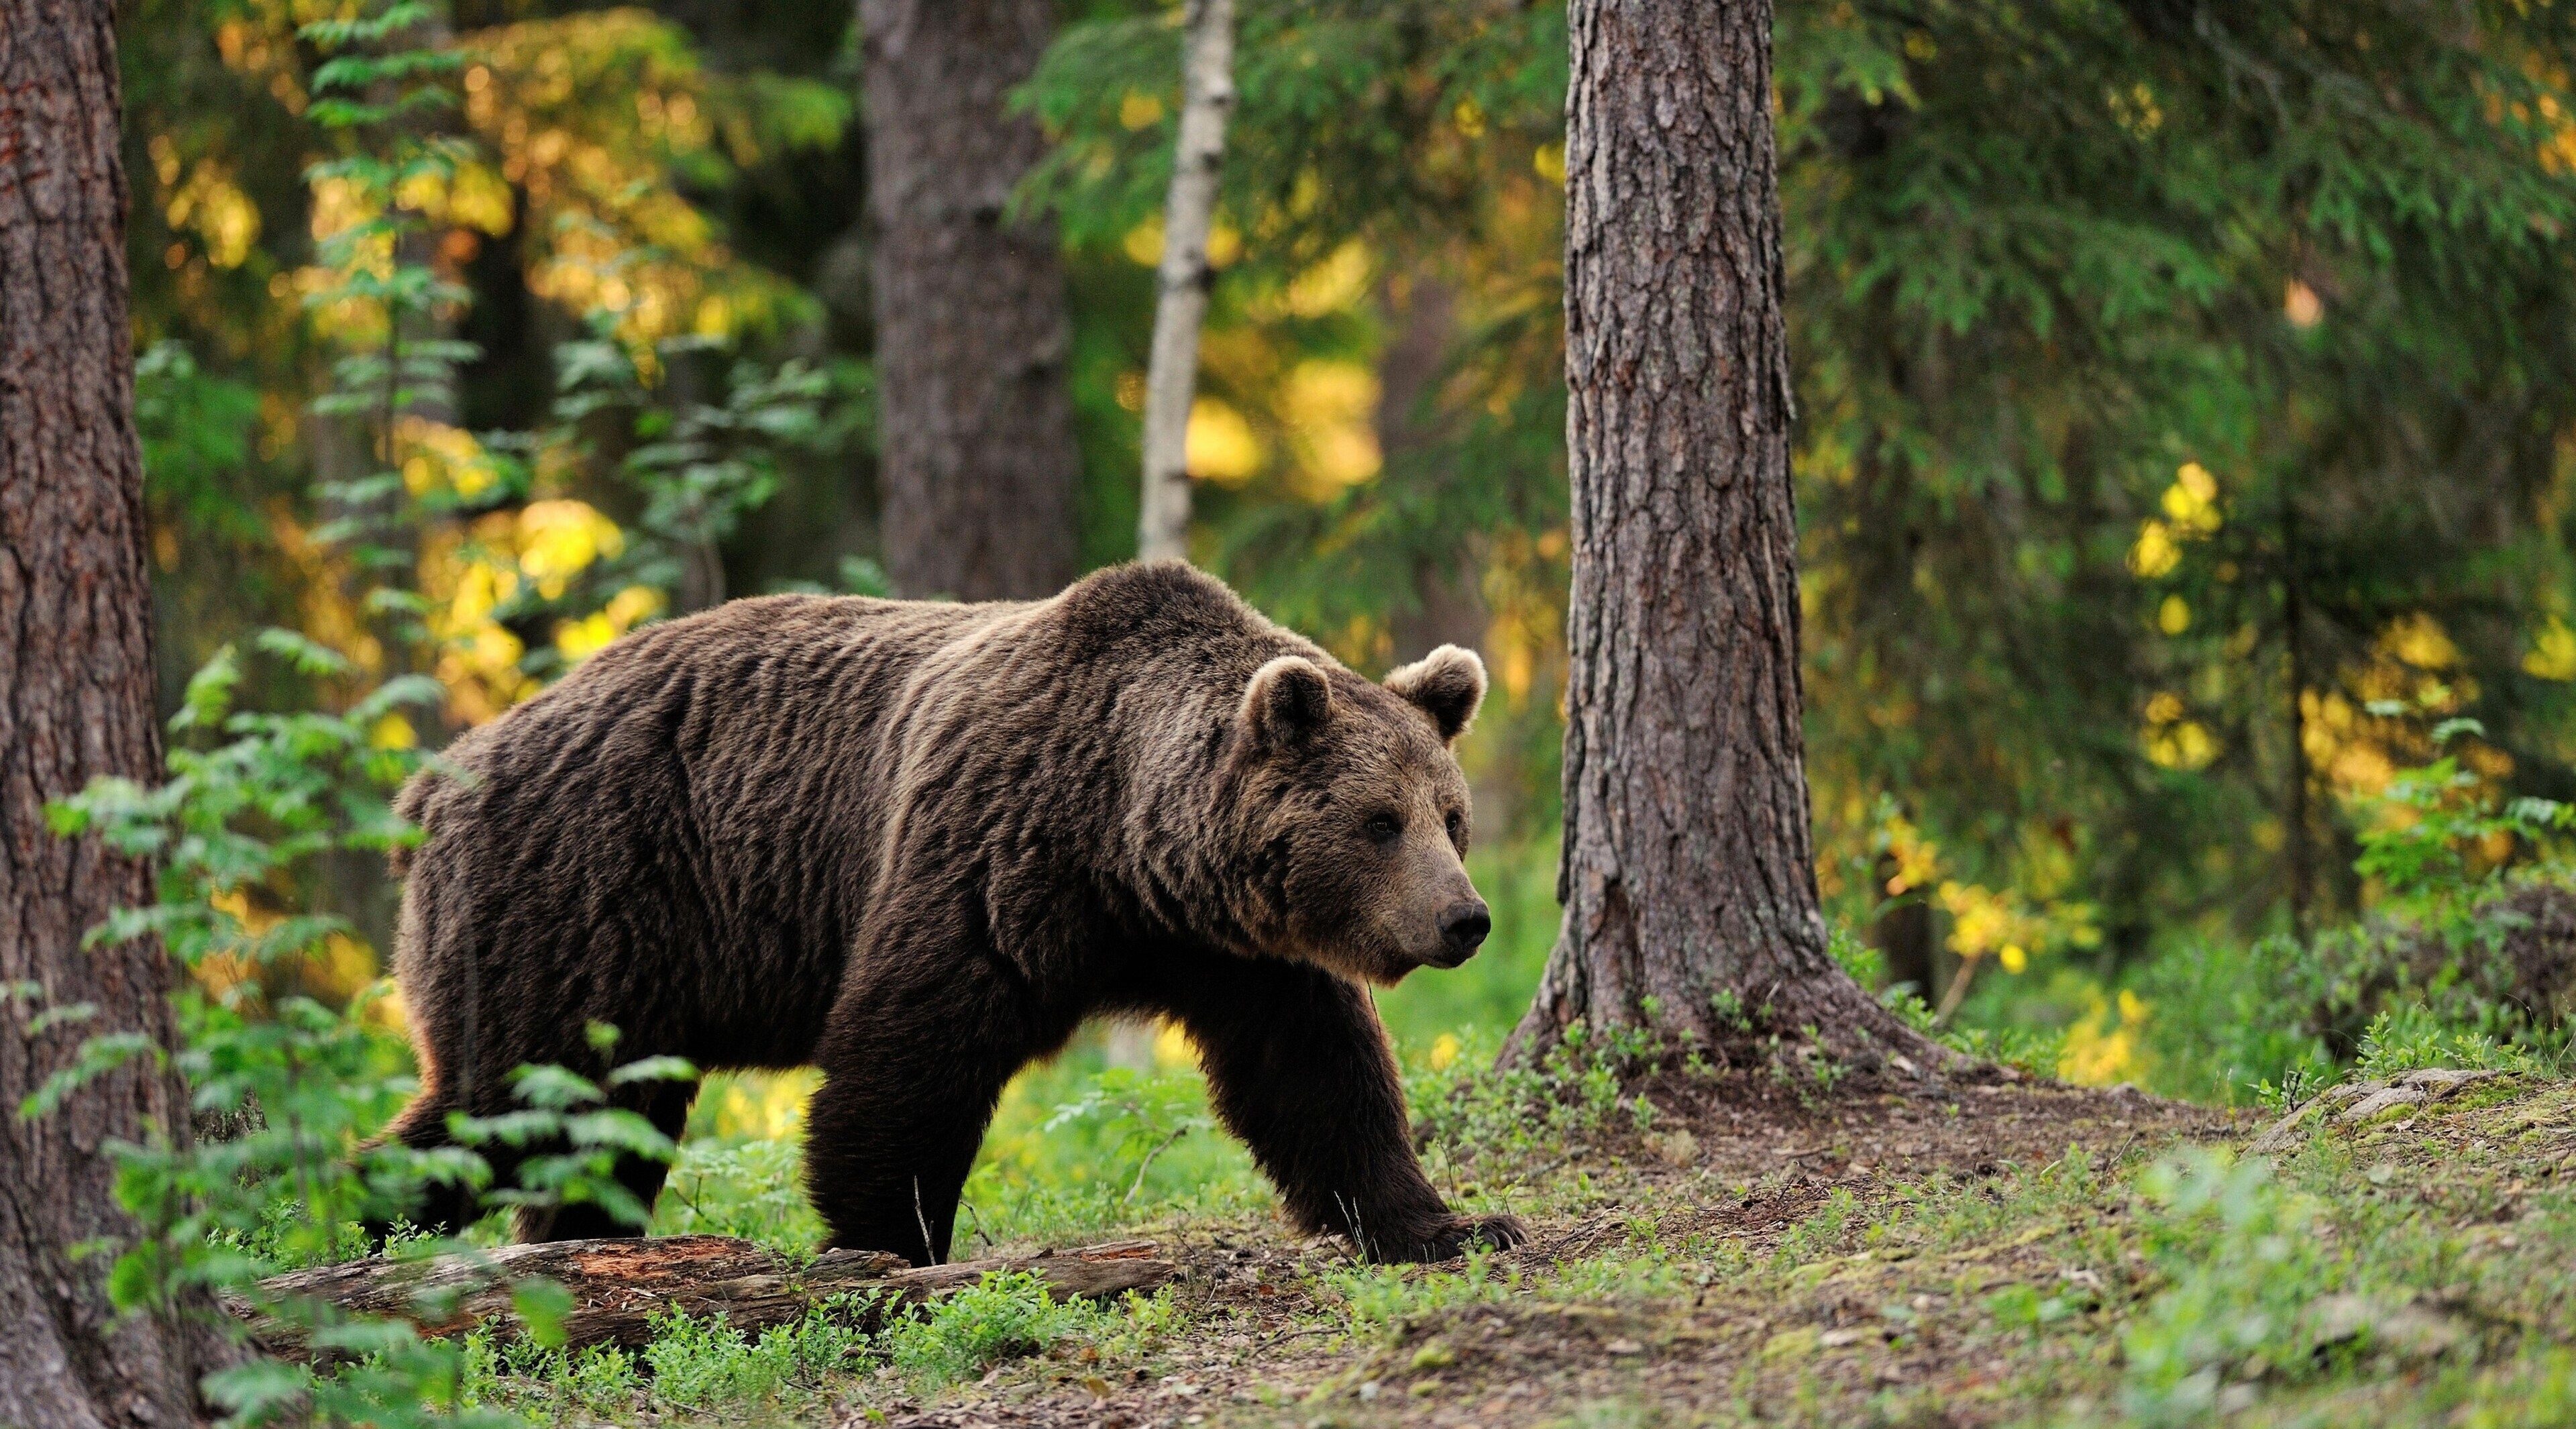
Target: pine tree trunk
<point>977,459</point>
<point>1688,877</point>
<point>1189,215</point>
<point>76,701</point>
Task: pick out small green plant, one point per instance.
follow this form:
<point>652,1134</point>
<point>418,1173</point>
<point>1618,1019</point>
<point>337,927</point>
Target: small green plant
<point>2417,836</point>
<point>2244,1261</point>
<point>1006,1315</point>
<point>750,1187</point>
<point>600,1381</point>
<point>2024,1308</point>
<point>1140,1114</point>
<point>2298,1086</point>
<point>2032,1051</point>
<point>707,1364</point>
<point>2404,1038</point>
<point>579,1137</point>
<point>1517,1112</point>
<point>1380,1300</point>
<point>1727,1010</point>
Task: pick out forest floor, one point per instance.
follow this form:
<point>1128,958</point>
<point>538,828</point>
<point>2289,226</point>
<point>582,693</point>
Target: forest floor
<point>1757,1257</point>
<point>2009,1253</point>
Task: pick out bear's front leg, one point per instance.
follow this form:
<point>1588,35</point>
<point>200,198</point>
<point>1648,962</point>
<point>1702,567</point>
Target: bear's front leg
<point>1298,1066</point>
<point>914,1059</point>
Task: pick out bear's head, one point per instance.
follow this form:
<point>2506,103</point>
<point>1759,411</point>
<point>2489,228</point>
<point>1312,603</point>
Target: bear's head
<point>1357,812</point>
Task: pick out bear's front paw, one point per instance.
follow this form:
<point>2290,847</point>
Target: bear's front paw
<point>1459,1234</point>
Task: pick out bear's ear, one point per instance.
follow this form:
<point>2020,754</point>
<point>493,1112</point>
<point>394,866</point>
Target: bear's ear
<point>1448,683</point>
<point>1287,697</point>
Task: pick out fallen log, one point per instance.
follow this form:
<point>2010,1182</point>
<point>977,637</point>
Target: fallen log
<point>618,1286</point>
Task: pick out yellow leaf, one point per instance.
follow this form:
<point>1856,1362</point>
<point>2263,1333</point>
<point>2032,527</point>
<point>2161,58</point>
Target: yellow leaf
<point>1220,445</point>
<point>2155,552</point>
<point>1139,110</point>
<point>2553,652</point>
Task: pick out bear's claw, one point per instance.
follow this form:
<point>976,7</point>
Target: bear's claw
<point>1463,1233</point>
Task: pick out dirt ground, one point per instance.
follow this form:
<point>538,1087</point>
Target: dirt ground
<point>1736,1162</point>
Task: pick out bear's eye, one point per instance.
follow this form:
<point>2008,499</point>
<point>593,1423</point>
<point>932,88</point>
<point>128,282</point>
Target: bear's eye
<point>1383,827</point>
<point>1455,823</point>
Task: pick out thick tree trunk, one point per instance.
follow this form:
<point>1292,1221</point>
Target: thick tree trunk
<point>76,702</point>
<point>1189,214</point>
<point>977,459</point>
<point>1687,877</point>
<point>618,1286</point>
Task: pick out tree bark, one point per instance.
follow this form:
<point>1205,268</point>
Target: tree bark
<point>977,459</point>
<point>76,702</point>
<point>1688,878</point>
<point>1189,213</point>
<point>618,1286</point>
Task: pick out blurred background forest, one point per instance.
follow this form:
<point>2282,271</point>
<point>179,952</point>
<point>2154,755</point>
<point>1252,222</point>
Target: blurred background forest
<point>2184,446</point>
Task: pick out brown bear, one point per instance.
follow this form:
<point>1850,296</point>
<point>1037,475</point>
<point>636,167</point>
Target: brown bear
<point>916,845</point>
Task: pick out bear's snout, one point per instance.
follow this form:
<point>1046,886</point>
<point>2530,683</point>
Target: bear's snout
<point>1463,926</point>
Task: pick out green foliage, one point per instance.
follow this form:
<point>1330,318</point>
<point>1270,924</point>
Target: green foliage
<point>2420,834</point>
<point>380,94</point>
<point>1348,119</point>
<point>2404,1038</point>
<point>1379,1299</point>
<point>1006,1315</point>
<point>1514,1113</point>
<point>2459,966</point>
<point>2038,260</point>
<point>2246,1260</point>
<point>2464,983</point>
<point>253,799</point>
<point>195,427</point>
<point>747,1187</point>
<point>1079,1149</point>
<point>2031,1051</point>
<point>708,1364</point>
<point>526,1379</point>
<point>695,470</point>
<point>577,1137</point>
<point>1137,1115</point>
<point>2227,1018</point>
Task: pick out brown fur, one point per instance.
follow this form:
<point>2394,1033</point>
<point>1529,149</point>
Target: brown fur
<point>917,844</point>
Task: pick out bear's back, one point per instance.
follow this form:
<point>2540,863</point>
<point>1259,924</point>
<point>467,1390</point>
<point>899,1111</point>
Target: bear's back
<point>697,820</point>
<point>679,830</point>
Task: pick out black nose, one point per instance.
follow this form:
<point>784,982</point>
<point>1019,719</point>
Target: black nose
<point>1463,927</point>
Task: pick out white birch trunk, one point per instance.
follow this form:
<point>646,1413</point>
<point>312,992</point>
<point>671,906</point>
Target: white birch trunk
<point>1207,95</point>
